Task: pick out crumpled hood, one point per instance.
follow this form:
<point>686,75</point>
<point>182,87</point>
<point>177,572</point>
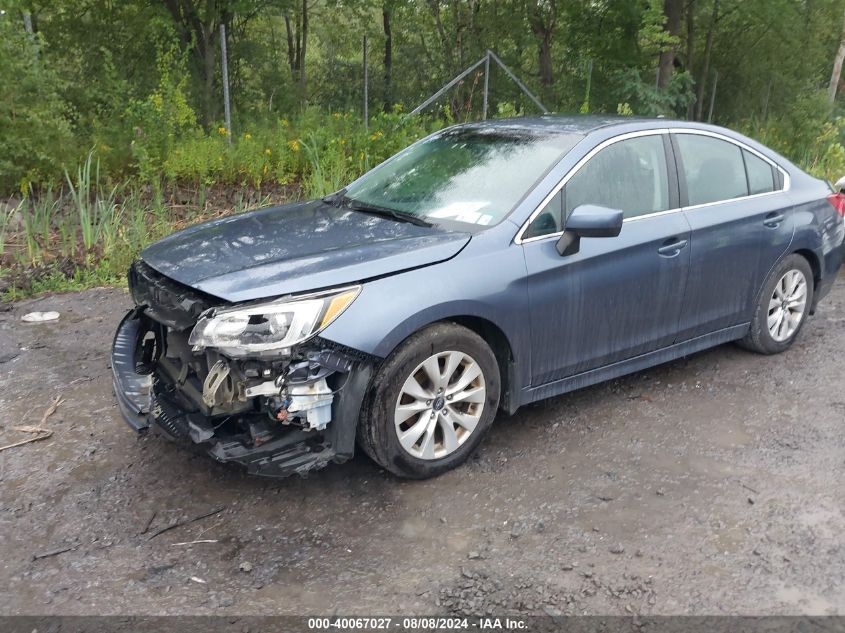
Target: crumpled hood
<point>296,248</point>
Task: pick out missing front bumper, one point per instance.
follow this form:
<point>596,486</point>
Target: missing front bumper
<point>262,446</point>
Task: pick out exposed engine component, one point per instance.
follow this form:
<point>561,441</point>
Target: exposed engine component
<point>218,388</point>
<point>315,401</point>
<point>267,388</point>
<point>300,395</point>
<point>169,420</point>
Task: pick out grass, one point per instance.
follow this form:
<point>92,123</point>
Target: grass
<point>57,281</point>
<point>87,234</point>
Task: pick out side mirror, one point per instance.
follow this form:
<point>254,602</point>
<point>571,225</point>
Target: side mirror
<point>588,220</point>
<point>840,185</point>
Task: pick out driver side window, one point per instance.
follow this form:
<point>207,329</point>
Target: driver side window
<point>630,175</point>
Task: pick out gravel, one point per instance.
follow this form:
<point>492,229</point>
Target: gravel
<point>710,485</point>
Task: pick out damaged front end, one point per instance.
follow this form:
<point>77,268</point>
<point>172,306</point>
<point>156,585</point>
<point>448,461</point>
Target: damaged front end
<point>253,384</point>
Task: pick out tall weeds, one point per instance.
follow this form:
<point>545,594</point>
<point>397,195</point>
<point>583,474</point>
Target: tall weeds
<point>99,216</point>
<point>328,173</point>
<point>5,220</point>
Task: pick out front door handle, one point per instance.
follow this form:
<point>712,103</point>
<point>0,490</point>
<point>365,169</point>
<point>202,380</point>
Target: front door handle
<point>773,220</point>
<point>671,247</point>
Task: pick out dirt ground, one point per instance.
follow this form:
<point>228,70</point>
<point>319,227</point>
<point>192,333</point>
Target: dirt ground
<point>714,484</point>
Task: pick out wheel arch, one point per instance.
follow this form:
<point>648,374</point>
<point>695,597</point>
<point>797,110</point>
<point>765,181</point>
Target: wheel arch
<point>816,266</point>
<point>501,346</point>
<point>813,260</point>
<point>492,333</point>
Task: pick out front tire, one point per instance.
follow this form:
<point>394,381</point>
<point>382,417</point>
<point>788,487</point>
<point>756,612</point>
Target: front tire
<point>431,402</point>
<point>782,308</point>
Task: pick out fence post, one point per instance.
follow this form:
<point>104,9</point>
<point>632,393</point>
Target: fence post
<point>713,96</point>
<point>589,85</point>
<point>366,88</point>
<point>224,66</point>
<point>516,80</point>
<point>766,101</point>
<point>486,83</point>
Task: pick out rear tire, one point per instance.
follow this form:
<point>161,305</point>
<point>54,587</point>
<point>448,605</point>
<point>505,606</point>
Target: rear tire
<point>782,307</point>
<point>431,402</point>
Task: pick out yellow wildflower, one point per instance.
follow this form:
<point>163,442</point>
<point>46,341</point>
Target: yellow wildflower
<point>247,136</point>
<point>294,145</point>
<point>376,135</point>
<point>284,122</point>
<point>267,151</point>
<point>222,130</point>
<point>336,115</point>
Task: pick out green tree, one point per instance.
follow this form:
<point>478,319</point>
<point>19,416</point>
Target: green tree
<point>35,135</point>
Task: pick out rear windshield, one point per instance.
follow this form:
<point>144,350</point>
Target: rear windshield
<point>468,175</point>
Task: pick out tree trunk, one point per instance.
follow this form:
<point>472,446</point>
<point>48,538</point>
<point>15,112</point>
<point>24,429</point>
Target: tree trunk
<point>291,46</point>
<point>837,68</point>
<point>545,59</point>
<point>705,68</point>
<point>209,66</point>
<point>303,86</point>
<point>673,10</point>
<point>387,95</point>
<point>543,27</point>
<point>689,66</point>
<point>297,35</point>
<point>448,47</point>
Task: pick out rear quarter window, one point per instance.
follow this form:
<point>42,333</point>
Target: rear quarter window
<point>760,174</point>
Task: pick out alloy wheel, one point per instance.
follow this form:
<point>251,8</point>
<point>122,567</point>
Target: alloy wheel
<point>440,404</point>
<point>787,305</point>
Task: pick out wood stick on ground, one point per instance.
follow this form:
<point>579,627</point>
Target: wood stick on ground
<point>39,432</point>
<point>177,524</point>
<point>54,552</point>
<point>149,522</point>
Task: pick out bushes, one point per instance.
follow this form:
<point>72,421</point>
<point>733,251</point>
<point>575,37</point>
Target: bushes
<point>322,150</point>
<point>806,134</point>
<point>159,122</point>
<point>35,136</point>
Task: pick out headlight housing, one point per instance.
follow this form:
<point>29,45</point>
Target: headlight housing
<point>272,326</point>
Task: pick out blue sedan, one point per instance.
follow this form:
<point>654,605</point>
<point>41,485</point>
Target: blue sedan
<point>483,268</point>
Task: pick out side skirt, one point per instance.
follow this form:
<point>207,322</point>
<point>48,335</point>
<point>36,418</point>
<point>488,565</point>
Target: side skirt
<point>638,363</point>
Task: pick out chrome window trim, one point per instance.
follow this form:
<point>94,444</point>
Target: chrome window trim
<point>787,181</point>
<point>518,239</point>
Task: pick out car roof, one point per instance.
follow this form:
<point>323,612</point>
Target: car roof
<point>587,124</point>
<point>581,124</point>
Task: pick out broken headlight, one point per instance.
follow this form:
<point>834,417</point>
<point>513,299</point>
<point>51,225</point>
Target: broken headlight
<point>272,326</point>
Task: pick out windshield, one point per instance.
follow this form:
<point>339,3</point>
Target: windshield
<point>471,175</point>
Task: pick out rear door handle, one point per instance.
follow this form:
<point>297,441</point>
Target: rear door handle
<point>671,247</point>
<point>773,220</point>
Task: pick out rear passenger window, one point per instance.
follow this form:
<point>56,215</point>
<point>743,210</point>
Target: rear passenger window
<point>760,176</point>
<point>713,168</point>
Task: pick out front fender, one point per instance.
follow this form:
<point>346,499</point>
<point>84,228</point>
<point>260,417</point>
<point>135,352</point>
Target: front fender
<point>486,285</point>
